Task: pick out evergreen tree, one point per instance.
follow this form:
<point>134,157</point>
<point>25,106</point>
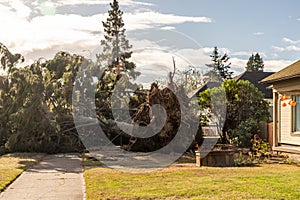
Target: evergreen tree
<point>116,48</point>
<point>255,63</point>
<point>115,61</point>
<point>220,67</point>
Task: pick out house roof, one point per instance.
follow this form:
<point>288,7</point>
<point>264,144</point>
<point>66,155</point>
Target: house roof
<point>195,93</point>
<point>255,78</point>
<point>291,71</point>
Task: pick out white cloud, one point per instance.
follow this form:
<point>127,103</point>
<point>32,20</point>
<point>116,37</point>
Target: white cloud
<point>45,34</point>
<point>293,48</point>
<point>103,2</point>
<point>280,49</point>
<point>258,33</point>
<point>276,65</point>
<point>287,48</point>
<point>150,19</point>
<point>241,53</point>
<point>21,9</point>
<point>292,45</point>
<point>168,28</point>
<point>290,41</point>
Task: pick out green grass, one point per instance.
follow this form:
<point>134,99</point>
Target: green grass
<point>12,165</point>
<point>189,182</point>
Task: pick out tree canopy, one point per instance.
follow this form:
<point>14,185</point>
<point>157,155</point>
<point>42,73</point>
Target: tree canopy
<point>244,103</point>
<point>35,105</point>
<point>255,63</point>
<point>116,47</point>
<point>219,67</point>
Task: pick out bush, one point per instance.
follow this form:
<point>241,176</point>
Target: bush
<point>260,148</point>
<point>241,136</point>
<point>245,108</point>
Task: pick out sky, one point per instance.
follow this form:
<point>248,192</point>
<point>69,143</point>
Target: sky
<point>158,30</point>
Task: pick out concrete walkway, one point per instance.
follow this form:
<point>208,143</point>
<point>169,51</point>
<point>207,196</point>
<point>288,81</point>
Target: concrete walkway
<point>56,177</point>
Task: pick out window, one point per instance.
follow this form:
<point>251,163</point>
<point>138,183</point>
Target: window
<point>296,114</point>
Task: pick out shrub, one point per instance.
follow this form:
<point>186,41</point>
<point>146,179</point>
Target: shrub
<point>260,148</point>
<point>241,136</point>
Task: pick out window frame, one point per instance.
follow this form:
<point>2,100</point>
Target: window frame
<point>294,118</point>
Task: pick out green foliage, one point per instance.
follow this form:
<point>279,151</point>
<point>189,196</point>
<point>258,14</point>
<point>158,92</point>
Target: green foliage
<point>242,134</point>
<point>244,101</point>
<point>28,126</point>
<point>36,101</point>
<point>244,160</point>
<point>220,67</point>
<point>245,104</point>
<point>114,60</point>
<point>260,148</point>
<point>116,48</point>
<point>260,153</point>
<point>255,63</point>
<point>9,60</point>
<point>35,106</point>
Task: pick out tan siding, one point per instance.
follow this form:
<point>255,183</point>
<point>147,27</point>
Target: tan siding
<point>286,126</point>
<point>291,85</point>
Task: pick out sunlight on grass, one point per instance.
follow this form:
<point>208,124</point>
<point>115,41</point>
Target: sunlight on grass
<point>265,182</point>
<point>12,165</point>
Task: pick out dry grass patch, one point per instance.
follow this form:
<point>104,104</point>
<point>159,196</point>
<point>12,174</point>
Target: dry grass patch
<point>190,182</point>
<point>12,165</point>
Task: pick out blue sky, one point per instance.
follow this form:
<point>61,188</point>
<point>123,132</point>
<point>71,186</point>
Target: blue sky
<point>158,30</point>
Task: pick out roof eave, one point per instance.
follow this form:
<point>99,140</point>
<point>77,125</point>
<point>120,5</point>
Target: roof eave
<point>280,79</point>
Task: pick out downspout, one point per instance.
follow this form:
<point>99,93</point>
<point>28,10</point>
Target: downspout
<point>276,116</point>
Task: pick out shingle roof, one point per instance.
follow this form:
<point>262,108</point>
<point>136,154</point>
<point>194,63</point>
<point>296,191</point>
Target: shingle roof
<point>195,93</point>
<point>255,78</point>
<point>291,71</point>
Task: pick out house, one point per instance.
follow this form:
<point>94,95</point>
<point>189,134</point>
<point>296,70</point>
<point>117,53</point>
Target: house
<point>286,101</point>
<point>255,78</point>
<point>252,77</point>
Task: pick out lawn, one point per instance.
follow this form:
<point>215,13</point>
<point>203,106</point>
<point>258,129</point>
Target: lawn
<point>12,165</point>
<point>276,181</point>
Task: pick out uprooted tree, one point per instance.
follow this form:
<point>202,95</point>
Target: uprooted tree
<point>36,100</point>
<point>115,67</point>
<point>35,105</point>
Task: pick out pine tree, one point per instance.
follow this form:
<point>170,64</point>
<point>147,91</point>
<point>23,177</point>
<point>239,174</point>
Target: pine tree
<point>116,48</point>
<point>114,60</point>
<point>255,63</point>
<point>220,67</point>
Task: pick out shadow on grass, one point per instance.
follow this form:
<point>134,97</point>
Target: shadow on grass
<point>14,164</point>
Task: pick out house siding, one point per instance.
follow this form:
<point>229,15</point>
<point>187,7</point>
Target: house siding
<point>288,87</point>
<point>286,136</point>
<point>291,85</point>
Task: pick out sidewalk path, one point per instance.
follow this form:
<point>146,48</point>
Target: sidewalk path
<point>56,177</point>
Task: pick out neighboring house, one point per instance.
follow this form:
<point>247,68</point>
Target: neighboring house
<point>286,126</point>
<point>255,78</point>
<point>208,85</point>
<point>252,77</point>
